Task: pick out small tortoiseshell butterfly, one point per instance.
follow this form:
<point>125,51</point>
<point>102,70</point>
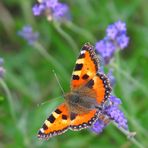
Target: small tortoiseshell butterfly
<point>82,106</point>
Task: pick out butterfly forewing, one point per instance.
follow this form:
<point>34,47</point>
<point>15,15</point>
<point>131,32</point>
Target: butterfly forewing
<point>86,67</point>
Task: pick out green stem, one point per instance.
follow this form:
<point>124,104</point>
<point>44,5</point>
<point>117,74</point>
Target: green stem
<point>49,58</point>
<point>66,36</point>
<point>130,135</point>
<point>10,100</point>
<point>80,31</point>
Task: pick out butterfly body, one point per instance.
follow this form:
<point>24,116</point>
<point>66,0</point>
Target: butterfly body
<point>90,89</point>
<point>81,101</point>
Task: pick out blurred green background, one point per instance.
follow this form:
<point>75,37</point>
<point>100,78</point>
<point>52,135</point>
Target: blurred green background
<point>30,91</point>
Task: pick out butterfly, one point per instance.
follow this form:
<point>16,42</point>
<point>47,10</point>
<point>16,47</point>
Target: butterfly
<point>82,106</point>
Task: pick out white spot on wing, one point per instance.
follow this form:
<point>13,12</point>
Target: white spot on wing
<point>42,130</point>
<point>82,52</point>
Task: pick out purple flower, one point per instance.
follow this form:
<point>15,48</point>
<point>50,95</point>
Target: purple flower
<point>52,8</point>
<point>116,101</point>
<point>112,31</point>
<point>60,11</point>
<point>115,113</point>
<point>121,26</point>
<point>28,34</point>
<point>106,49</point>
<point>37,9</point>
<point>115,38</point>
<point>98,126</point>
<point>2,70</point>
<point>122,41</point>
<point>51,3</point>
<point>111,112</point>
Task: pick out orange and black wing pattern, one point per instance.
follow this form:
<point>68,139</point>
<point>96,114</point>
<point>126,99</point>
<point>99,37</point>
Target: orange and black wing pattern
<point>61,120</point>
<point>100,85</point>
<point>57,123</point>
<point>85,75</point>
<point>81,121</point>
<point>86,66</point>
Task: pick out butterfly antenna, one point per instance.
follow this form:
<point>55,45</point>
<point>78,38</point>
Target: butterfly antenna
<point>58,82</point>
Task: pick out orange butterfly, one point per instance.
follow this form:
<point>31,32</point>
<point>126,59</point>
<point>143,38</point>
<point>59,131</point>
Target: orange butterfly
<point>82,106</point>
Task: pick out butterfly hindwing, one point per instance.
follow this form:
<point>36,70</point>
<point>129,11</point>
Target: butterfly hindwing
<point>56,124</point>
<point>81,121</point>
<point>86,66</point>
<point>101,87</point>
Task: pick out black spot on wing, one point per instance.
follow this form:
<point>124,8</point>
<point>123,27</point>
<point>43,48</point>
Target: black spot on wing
<point>90,83</point>
<point>58,111</point>
<point>72,116</point>
<point>85,76</point>
<point>78,67</point>
<point>51,118</point>
<point>75,77</point>
<point>44,126</point>
<point>64,117</point>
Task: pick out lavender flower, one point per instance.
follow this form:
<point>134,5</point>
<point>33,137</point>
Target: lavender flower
<point>121,26</point>
<point>60,11</point>
<point>28,34</point>
<point>116,38</point>
<point>98,126</point>
<point>113,113</point>
<point>2,70</point>
<point>37,9</point>
<point>106,49</point>
<point>53,9</point>
<point>112,31</point>
<point>122,41</point>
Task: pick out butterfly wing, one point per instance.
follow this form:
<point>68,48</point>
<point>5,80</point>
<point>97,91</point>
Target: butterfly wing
<point>86,74</point>
<point>100,85</point>
<point>86,67</point>
<point>57,123</point>
<point>81,121</point>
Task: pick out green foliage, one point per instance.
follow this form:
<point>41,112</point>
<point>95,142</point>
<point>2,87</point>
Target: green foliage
<point>29,89</point>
